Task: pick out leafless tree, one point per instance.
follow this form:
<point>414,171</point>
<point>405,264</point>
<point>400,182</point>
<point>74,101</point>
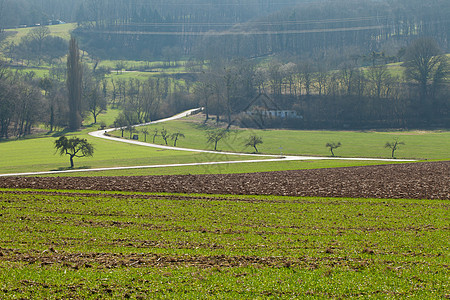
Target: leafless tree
<point>165,135</point>
<point>74,84</point>
<point>393,146</point>
<point>425,64</point>
<point>332,146</point>
<point>254,141</point>
<point>175,136</point>
<point>215,136</point>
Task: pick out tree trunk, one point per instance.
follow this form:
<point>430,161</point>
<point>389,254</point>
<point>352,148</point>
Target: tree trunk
<point>71,162</point>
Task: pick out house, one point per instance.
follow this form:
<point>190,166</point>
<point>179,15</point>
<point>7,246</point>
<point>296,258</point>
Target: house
<point>274,113</point>
<point>264,106</point>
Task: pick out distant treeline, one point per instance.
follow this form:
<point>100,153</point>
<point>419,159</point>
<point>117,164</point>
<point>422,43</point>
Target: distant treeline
<point>15,13</point>
<point>240,92</point>
<point>19,13</point>
<point>136,29</point>
<point>252,29</point>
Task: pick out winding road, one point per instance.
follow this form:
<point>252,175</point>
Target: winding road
<point>258,157</point>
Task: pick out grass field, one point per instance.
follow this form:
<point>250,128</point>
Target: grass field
<point>62,31</point>
<point>34,155</point>
<point>68,244</point>
<point>37,154</point>
<point>418,144</point>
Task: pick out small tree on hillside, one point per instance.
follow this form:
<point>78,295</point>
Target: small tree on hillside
<point>253,141</point>
<point>155,134</point>
<point>175,137</point>
<point>164,135</point>
<point>213,137</point>
<point>96,103</point>
<point>393,146</point>
<point>333,146</point>
<point>121,122</point>
<point>131,130</point>
<point>145,133</point>
<point>74,147</point>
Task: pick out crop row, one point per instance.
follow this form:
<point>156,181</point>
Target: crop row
<point>169,245</point>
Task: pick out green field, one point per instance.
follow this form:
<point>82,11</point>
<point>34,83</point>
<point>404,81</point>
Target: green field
<point>418,144</point>
<point>33,155</point>
<point>134,245</point>
<point>62,31</point>
<point>37,154</point>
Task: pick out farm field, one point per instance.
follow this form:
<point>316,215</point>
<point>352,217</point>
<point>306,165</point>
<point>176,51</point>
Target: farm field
<point>39,155</point>
<point>250,167</point>
<point>419,145</point>
<point>61,30</point>
<point>86,244</point>
<point>423,180</point>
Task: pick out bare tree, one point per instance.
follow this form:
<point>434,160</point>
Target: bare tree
<point>204,91</point>
<point>155,134</point>
<point>74,83</point>
<point>307,72</point>
<point>164,134</point>
<point>39,34</point>
<point>332,146</point>
<point>96,103</point>
<point>145,133</point>
<point>121,122</point>
<point>425,64</point>
<point>175,136</point>
<point>131,129</point>
<point>253,141</point>
<point>393,146</point>
<point>120,65</point>
<point>321,78</point>
<point>213,137</point>
<point>379,78</point>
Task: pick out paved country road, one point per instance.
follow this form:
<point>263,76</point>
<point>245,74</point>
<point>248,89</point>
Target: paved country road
<point>257,157</point>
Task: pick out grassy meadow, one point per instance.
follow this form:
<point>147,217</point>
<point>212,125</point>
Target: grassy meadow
<point>61,30</point>
<point>67,244</point>
<point>34,155</point>
<point>37,153</point>
<point>420,145</point>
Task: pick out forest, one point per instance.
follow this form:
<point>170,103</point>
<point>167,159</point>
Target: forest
<point>348,64</point>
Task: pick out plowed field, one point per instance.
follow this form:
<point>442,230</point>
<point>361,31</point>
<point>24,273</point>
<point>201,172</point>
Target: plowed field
<point>77,244</point>
<point>429,180</point>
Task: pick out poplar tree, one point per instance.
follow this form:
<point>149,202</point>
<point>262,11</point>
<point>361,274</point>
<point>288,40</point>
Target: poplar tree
<point>74,83</point>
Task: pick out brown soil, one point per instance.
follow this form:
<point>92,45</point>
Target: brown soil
<point>114,260</point>
<point>430,180</point>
